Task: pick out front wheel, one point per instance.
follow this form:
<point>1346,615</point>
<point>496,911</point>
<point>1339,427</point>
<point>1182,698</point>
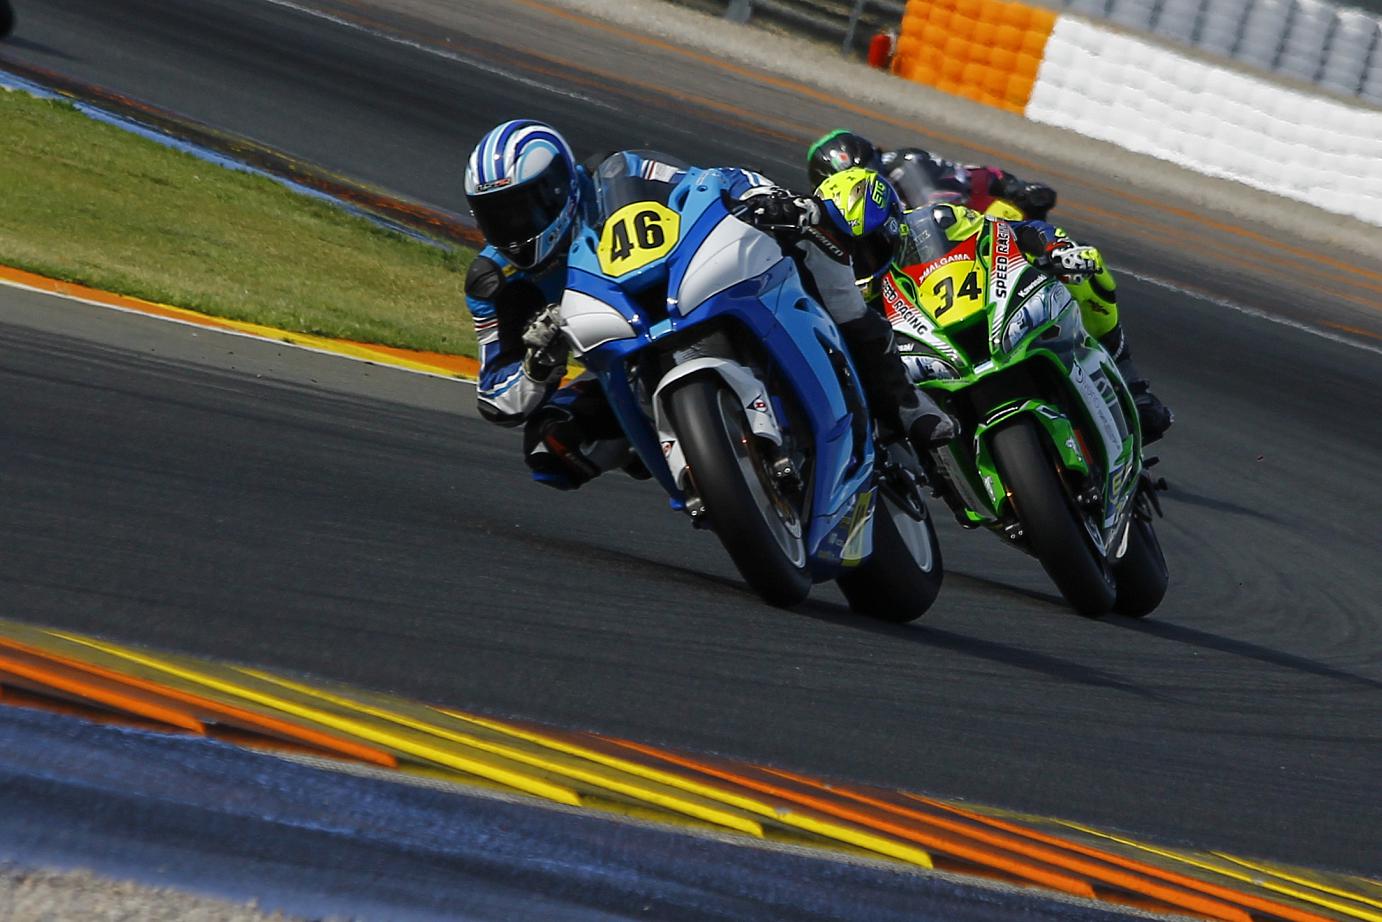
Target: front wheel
<point>1049,520</point>
<point>1141,572</point>
<point>757,525</point>
<point>902,577</point>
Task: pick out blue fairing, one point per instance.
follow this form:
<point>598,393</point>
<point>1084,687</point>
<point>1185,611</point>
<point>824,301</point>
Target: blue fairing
<point>796,335</point>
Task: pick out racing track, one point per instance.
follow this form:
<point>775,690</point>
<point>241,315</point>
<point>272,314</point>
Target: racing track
<point>245,501</point>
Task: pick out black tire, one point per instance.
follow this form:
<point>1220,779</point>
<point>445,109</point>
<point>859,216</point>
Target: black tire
<point>1141,573</point>
<point>894,584</point>
<point>1054,531</point>
<point>714,435</point>
<point>6,18</point>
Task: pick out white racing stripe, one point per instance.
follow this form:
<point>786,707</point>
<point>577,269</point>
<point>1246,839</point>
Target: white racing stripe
<point>1254,312</point>
<point>491,69</point>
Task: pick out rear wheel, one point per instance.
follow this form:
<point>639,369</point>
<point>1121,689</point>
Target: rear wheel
<point>1050,521</point>
<point>901,578</point>
<point>1141,572</point>
<point>758,526</point>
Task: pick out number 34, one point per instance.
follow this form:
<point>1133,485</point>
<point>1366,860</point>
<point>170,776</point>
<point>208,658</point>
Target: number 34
<point>945,288</point>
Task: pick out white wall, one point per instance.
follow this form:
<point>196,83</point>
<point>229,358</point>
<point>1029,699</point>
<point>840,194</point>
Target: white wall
<point>1211,119</point>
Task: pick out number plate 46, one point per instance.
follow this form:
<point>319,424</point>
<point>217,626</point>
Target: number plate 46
<point>637,235</point>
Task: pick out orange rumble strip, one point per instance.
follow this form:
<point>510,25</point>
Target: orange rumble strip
<point>205,708</point>
<point>928,838</point>
<point>47,669</point>
<point>1141,867</point>
<point>33,674</point>
<point>1172,896</point>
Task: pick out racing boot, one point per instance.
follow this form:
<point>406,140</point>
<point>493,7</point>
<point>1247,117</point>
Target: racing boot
<point>894,400</point>
<point>1154,415</point>
<point>575,438</point>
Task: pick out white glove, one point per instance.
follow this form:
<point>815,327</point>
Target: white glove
<point>547,348</point>
<point>1070,263</point>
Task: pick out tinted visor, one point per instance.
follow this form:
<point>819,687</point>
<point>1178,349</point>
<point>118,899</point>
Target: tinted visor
<point>512,219</point>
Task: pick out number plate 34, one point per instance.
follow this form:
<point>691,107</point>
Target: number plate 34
<point>637,235</point>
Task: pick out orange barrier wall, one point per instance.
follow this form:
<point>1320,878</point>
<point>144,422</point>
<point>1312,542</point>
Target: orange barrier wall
<point>985,50</point>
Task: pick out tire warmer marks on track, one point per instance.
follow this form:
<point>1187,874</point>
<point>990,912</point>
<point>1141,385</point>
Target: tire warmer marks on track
<point>94,678</point>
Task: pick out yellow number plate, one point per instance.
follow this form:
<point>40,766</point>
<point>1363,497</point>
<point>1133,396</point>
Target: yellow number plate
<point>637,235</point>
<point>952,292</point>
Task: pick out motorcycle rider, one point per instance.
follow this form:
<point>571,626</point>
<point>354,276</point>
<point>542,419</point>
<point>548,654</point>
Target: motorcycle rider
<point>1080,268</point>
<point>526,191</point>
<point>923,178</point>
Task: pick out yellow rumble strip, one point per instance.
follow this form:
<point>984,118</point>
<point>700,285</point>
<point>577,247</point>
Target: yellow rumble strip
<point>100,680</point>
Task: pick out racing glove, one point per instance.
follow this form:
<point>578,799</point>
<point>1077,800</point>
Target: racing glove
<point>778,209</point>
<point>545,358</point>
<point>1070,263</point>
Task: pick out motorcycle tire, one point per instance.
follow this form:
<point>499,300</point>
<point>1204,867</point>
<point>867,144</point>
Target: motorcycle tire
<point>6,18</point>
<point>902,577</point>
<point>1141,573</point>
<point>1050,521</point>
<point>759,529</point>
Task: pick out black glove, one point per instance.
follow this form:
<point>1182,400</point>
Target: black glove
<point>780,210</point>
<point>547,348</point>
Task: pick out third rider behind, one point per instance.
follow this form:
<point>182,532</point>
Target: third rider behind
<point>922,178</point>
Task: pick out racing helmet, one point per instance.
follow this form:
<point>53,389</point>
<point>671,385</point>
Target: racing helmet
<point>840,150</point>
<point>865,209</point>
<point>523,190</point>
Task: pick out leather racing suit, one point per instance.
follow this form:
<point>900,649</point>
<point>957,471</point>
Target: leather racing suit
<point>570,433</point>
<point>922,178</point>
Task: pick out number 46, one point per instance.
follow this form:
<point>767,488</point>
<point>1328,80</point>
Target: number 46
<point>647,229</point>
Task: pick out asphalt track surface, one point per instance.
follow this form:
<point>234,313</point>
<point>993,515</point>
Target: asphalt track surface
<point>413,852</point>
<point>210,495</point>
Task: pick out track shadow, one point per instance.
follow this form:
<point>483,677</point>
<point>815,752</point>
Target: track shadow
<point>1206,641</point>
<point>839,615</point>
<point>1036,595</point>
<point>993,651</point>
<point>1177,495</point>
<point>25,44</point>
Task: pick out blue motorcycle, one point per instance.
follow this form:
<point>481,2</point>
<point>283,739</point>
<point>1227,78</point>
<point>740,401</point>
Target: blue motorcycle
<point>735,388</point>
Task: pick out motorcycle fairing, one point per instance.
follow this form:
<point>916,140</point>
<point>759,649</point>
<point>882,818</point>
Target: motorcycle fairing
<point>1104,406</point>
<point>719,272</point>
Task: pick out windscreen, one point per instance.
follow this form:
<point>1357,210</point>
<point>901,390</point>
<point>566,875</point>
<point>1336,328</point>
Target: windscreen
<point>925,241</point>
<point>918,182</point>
<point>635,176</point>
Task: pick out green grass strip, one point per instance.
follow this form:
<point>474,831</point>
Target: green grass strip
<point>89,203</point>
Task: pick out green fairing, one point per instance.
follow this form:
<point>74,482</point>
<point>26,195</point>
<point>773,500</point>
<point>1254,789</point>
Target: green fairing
<point>1058,427</point>
<point>1058,340</point>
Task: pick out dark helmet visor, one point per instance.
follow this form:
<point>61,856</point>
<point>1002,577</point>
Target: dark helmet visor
<point>872,254</point>
<point>512,219</point>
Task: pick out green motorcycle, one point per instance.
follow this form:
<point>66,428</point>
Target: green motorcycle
<point>1051,452</point>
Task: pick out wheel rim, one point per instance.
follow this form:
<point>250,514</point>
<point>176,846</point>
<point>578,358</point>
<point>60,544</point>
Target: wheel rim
<point>915,533</point>
<point>773,508</point>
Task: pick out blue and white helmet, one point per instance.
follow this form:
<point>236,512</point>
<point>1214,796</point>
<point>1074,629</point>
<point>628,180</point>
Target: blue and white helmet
<point>522,188</point>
